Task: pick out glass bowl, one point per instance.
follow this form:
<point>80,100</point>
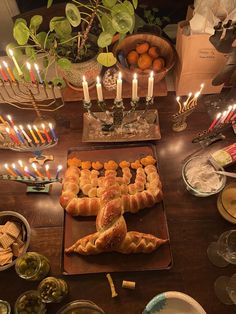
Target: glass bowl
<point>200,178</point>
<point>81,307</point>
<point>25,231</point>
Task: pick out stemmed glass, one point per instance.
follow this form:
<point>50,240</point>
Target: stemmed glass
<point>223,252</point>
<point>225,289</point>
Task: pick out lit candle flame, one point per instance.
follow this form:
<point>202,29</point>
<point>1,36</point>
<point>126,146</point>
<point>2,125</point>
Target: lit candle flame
<point>5,64</point>
<point>10,52</point>
<point>151,74</point>
<point>119,75</point>
<point>36,67</point>
<point>20,163</point>
<point>98,80</point>
<point>135,76</point>
<point>28,65</point>
<point>47,167</point>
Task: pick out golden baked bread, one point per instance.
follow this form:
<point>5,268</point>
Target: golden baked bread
<point>109,197</point>
<point>111,227</point>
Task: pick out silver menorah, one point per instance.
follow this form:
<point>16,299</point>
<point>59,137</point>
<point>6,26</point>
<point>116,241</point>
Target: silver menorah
<point>121,123</point>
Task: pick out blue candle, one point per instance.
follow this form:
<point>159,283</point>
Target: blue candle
<point>58,171</point>
<point>53,132</point>
<point>19,135</point>
<point>29,172</point>
<point>16,170</point>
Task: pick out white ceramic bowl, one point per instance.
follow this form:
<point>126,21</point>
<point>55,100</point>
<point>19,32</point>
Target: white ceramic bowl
<point>14,216</point>
<point>173,302</point>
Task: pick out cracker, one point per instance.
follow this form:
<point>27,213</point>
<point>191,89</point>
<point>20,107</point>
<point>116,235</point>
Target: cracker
<point>15,249</point>
<point>6,240</point>
<point>6,258</point>
<point>13,230</point>
<point>4,229</point>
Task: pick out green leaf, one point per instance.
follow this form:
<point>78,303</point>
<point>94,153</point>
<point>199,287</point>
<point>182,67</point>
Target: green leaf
<point>35,22</point>
<point>135,3</point>
<point>106,58</point>
<point>64,63</point>
<point>106,24</point>
<point>16,50</point>
<point>63,28</point>
<point>129,7</point>
<point>41,38</point>
<point>59,81</point>
<point>109,3</point>
<point>26,74</point>
<point>50,41</point>
<point>122,22</point>
<point>73,14</point>
<point>49,3</point>
<point>45,62</point>
<point>104,39</point>
<point>30,52</point>
<point>20,20</point>
<point>118,8</point>
<point>55,20</point>
<point>21,33</point>
<point>139,22</point>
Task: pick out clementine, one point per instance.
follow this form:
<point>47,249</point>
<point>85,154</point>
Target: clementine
<point>158,64</point>
<point>153,52</point>
<point>132,57</point>
<point>142,47</point>
<point>144,61</point>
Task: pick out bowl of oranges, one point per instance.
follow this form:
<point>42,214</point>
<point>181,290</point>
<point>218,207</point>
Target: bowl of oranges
<point>143,53</point>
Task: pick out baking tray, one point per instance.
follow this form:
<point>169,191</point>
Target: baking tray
<point>151,220</point>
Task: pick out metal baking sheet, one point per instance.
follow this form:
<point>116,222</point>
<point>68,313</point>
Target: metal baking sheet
<point>151,220</point>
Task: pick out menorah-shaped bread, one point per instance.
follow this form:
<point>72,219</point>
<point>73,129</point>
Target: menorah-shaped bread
<point>112,196</point>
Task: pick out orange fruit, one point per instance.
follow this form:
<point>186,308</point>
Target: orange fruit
<point>142,47</point>
<point>158,64</point>
<point>144,61</point>
<point>132,57</point>
<point>153,52</point>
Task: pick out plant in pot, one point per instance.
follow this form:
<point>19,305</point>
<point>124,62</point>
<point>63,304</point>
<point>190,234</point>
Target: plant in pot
<point>71,51</point>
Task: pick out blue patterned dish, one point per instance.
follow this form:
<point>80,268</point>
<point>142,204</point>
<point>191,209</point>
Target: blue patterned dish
<point>173,302</point>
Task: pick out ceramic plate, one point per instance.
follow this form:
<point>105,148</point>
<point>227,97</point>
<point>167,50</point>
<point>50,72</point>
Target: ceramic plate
<point>173,302</point>
<point>223,212</point>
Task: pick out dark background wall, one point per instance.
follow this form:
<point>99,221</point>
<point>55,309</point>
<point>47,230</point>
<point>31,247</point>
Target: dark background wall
<point>175,9</point>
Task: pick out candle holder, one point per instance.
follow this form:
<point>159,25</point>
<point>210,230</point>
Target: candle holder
<point>118,123</point>
<point>180,118</point>
<point>40,97</point>
<point>34,185</point>
<point>37,150</point>
<point>208,137</point>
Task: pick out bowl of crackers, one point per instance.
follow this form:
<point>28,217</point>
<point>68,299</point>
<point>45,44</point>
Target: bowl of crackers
<point>14,238</point>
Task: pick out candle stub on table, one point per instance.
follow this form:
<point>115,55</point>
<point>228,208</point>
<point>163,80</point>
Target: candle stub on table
<point>128,284</point>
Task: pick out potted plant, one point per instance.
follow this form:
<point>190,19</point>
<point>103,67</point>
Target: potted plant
<point>70,49</point>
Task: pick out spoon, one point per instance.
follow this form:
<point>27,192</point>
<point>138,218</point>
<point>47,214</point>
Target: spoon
<point>226,173</point>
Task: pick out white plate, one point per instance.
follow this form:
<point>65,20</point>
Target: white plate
<point>173,302</point>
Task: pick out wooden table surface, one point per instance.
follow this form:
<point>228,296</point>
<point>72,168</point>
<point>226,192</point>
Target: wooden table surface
<point>193,222</point>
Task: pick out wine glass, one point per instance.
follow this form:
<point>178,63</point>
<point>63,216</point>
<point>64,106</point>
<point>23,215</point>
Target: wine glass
<point>225,289</point>
<point>223,252</point>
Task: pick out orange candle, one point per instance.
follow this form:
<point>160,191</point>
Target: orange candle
<point>10,171</point>
<point>39,134</point>
<point>47,172</point>
<point>9,71</point>
<point>32,133</point>
<point>37,171</point>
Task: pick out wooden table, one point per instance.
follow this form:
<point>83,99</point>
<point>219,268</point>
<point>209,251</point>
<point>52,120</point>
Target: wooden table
<point>193,222</point>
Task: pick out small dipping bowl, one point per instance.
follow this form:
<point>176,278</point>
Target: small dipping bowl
<point>198,162</point>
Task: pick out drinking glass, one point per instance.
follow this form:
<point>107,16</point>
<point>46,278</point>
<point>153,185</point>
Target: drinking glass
<point>223,252</point>
<point>225,289</point>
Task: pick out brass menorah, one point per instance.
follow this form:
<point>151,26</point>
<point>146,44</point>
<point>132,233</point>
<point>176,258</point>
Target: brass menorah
<point>35,96</point>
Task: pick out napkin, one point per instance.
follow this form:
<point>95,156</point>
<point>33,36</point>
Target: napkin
<point>208,13</point>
